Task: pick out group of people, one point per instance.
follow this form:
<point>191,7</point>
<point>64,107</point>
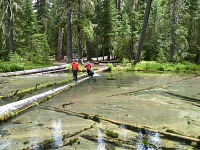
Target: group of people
<point>75,69</point>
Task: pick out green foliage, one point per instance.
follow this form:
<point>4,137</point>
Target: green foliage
<point>40,47</point>
<point>110,66</point>
<point>155,66</point>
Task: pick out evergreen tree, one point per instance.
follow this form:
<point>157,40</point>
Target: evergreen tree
<point>107,26</point>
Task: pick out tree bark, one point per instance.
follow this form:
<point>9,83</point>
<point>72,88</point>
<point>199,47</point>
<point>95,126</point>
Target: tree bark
<point>10,27</point>
<point>79,33</point>
<point>60,43</point>
<point>142,36</point>
<point>131,20</point>
<point>69,33</point>
<point>88,47</point>
<point>172,32</point>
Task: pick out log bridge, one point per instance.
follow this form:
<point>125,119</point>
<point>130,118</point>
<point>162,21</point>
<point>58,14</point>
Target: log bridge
<point>9,110</point>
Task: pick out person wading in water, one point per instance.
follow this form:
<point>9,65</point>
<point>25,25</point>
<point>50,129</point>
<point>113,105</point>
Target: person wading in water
<point>75,69</point>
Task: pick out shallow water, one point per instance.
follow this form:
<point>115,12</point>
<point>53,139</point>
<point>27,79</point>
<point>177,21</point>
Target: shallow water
<point>12,84</point>
<point>133,98</point>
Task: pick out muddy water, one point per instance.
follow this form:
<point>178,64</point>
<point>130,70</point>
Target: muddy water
<point>133,98</point>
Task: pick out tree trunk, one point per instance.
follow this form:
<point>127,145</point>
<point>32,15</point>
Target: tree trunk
<point>32,71</point>
<point>80,56</point>
<point>60,43</point>
<point>10,27</point>
<point>88,48</point>
<point>69,33</point>
<point>131,20</point>
<point>172,32</point>
<point>198,57</point>
<point>146,17</point>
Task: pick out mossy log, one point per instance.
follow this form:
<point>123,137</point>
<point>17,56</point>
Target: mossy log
<point>131,127</point>
<point>36,87</point>
<point>32,71</point>
<point>12,109</point>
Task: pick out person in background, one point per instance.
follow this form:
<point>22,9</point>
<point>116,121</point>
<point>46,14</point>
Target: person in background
<point>88,66</point>
<point>75,70</point>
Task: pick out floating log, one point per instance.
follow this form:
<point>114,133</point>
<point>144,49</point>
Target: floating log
<point>12,109</point>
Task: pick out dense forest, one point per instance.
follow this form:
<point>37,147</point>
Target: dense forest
<point>135,30</point>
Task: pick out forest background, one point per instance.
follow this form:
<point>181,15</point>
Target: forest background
<point>34,32</point>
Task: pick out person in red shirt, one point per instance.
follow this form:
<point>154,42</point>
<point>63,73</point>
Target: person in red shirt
<point>75,69</point>
<point>88,66</point>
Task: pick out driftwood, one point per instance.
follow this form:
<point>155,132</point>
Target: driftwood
<point>131,127</point>
<point>152,87</point>
<point>12,109</point>
<point>32,71</point>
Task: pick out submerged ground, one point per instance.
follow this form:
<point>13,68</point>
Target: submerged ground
<point>159,101</point>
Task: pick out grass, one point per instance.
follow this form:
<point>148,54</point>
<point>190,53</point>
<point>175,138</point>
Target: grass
<point>162,67</point>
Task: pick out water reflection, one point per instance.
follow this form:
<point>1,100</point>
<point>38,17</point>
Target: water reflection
<point>57,132</point>
<point>101,142</point>
<point>148,141</point>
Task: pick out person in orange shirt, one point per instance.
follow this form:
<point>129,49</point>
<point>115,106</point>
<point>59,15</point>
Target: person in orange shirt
<point>75,69</point>
<point>88,66</point>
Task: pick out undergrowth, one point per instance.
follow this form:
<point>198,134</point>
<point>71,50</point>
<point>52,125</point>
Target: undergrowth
<point>156,66</point>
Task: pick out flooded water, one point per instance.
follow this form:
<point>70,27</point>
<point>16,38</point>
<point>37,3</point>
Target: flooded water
<point>159,101</point>
<point>19,83</point>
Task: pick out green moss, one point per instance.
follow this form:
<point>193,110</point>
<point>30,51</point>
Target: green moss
<point>26,142</point>
<point>34,104</point>
<point>112,134</point>
<point>148,144</point>
<point>86,116</point>
<point>72,141</point>
<point>40,124</point>
<point>96,118</point>
<point>46,144</point>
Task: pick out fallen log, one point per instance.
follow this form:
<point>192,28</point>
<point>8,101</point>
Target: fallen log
<point>151,87</point>
<point>12,109</point>
<point>187,98</point>
<point>131,127</point>
<point>33,71</point>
